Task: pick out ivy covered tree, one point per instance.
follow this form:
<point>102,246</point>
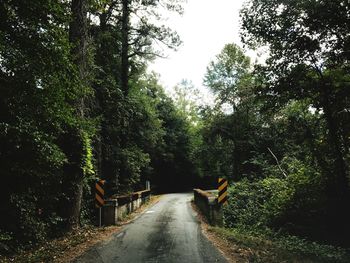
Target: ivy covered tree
<point>40,94</point>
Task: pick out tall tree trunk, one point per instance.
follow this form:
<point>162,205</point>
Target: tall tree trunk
<point>78,38</point>
<point>100,105</point>
<point>125,47</point>
<point>340,187</point>
<point>124,83</point>
<point>340,167</point>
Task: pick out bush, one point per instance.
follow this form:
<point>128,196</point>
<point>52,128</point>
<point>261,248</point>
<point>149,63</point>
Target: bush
<point>269,246</point>
<point>274,201</point>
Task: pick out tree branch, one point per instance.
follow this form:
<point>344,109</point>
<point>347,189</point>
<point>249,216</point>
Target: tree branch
<point>278,163</point>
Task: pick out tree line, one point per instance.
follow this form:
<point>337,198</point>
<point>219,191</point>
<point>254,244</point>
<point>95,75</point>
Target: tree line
<point>280,129</point>
<point>77,104</point>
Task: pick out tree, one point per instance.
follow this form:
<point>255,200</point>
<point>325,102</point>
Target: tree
<point>229,74</point>
<point>188,100</point>
<point>73,142</point>
<point>173,163</point>
<point>308,59</point>
<point>124,41</point>
<point>39,88</point>
<point>230,78</point>
<point>67,117</point>
<point>303,91</point>
<point>138,31</point>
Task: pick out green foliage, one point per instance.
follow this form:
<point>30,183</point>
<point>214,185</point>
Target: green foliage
<point>279,131</point>
<point>33,228</point>
<point>276,201</point>
<point>38,85</point>
<point>268,246</point>
<point>65,121</point>
<point>282,136</point>
<point>87,162</point>
<point>173,163</point>
<point>228,74</point>
<point>134,160</point>
<point>307,59</point>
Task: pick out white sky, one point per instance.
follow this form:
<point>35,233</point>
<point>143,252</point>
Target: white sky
<point>205,27</point>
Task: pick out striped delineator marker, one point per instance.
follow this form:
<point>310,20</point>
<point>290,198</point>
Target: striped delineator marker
<point>222,187</point>
<point>99,195</point>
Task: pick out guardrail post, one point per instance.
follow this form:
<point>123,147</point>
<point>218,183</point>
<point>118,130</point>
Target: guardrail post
<point>209,206</point>
<point>110,212</point>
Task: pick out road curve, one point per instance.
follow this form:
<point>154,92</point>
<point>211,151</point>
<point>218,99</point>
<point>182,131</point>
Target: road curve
<point>167,232</point>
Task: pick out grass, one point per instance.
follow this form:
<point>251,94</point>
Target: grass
<point>267,246</point>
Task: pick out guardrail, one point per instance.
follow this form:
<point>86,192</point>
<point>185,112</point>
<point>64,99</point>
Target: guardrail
<point>207,202</point>
<point>117,207</point>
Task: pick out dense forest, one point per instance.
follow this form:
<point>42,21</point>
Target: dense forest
<point>286,141</point>
<point>77,103</point>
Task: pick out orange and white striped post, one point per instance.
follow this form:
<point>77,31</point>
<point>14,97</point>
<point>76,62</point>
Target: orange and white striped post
<point>99,198</point>
<point>222,187</point>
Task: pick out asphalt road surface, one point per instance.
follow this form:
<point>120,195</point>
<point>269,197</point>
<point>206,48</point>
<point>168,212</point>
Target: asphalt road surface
<point>167,232</point>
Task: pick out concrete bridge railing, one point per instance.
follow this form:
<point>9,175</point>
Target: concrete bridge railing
<point>118,207</point>
<point>207,202</point>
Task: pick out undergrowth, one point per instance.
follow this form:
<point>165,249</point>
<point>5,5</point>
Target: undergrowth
<point>269,246</point>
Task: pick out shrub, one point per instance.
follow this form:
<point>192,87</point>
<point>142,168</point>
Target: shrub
<point>275,201</point>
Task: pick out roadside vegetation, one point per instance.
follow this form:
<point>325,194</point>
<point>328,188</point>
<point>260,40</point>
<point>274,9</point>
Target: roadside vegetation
<point>280,131</point>
<point>71,245</point>
<point>257,245</point>
<point>77,104</point>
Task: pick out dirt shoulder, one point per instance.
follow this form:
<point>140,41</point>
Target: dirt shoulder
<point>242,245</point>
<point>232,252</point>
<point>73,244</point>
<point>245,250</point>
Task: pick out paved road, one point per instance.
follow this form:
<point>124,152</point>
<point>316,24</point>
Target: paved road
<point>167,232</point>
